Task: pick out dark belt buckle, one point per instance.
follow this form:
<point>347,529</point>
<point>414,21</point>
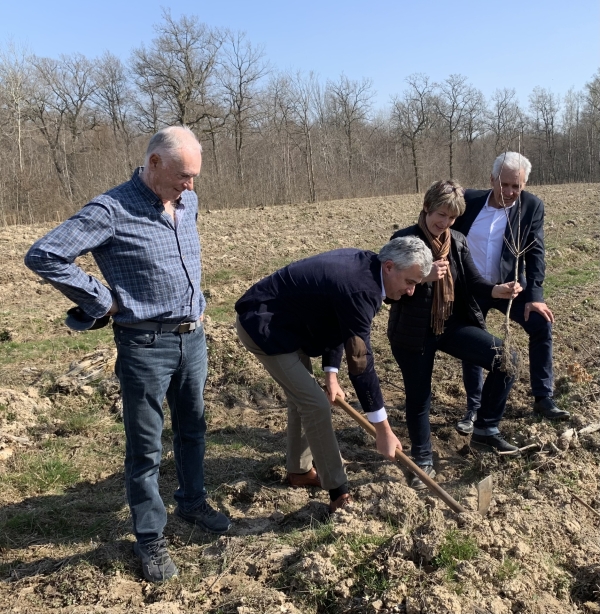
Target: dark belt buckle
<point>185,327</point>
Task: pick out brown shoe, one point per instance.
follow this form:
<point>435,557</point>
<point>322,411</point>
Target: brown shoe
<point>310,478</point>
<point>339,503</point>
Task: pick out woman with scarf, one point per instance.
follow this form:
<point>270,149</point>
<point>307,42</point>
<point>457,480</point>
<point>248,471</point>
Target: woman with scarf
<point>442,314</point>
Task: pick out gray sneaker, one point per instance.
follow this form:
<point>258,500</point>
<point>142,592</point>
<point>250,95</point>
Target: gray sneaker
<point>465,425</point>
<point>156,562</point>
<point>416,482</point>
<point>205,517</point>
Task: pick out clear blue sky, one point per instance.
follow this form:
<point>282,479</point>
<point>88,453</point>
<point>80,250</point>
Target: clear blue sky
<point>495,44</point>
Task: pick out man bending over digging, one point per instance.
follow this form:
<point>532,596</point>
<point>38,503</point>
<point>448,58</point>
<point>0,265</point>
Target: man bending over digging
<point>320,306</point>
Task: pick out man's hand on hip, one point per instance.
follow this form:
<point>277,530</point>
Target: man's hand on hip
<point>385,440</point>
<point>113,308</point>
<point>540,308</point>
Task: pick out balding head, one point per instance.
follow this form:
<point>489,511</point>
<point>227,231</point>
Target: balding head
<point>169,141</point>
<point>173,160</point>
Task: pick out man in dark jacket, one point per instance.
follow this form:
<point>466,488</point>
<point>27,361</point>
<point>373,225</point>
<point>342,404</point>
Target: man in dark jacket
<point>493,221</point>
<point>320,306</point>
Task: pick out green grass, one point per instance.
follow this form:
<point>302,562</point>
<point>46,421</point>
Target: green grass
<point>318,369</point>
<point>508,569</point>
<point>226,445</point>
<point>235,440</point>
<point>571,278</point>
<point>371,579</point>
<point>52,523</point>
<point>56,348</point>
<point>43,471</point>
<point>456,547</point>
<point>221,276</point>
<point>221,313</point>
<point>9,416</point>
<point>370,574</point>
<point>80,423</point>
<point>359,543</point>
<point>569,479</point>
<point>310,539</point>
<point>81,420</point>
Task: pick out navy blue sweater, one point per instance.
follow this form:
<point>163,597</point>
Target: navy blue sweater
<point>321,305</point>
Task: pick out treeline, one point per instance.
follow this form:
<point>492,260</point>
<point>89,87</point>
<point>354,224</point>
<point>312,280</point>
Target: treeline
<point>72,127</point>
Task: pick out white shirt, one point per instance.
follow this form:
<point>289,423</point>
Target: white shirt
<point>486,239</point>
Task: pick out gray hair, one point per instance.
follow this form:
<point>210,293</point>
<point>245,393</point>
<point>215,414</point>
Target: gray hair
<point>404,252</point>
<point>513,161</point>
<point>170,140</point>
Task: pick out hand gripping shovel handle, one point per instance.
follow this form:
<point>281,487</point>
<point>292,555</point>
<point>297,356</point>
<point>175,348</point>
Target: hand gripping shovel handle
<point>434,487</point>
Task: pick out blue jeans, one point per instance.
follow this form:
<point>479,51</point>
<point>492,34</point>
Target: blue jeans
<point>150,367</point>
<point>465,343</point>
<point>539,331</point>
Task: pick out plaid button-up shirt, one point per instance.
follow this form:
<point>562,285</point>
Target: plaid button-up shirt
<point>151,265</point>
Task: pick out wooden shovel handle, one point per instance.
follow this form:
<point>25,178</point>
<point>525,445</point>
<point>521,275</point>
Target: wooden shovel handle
<point>434,487</point>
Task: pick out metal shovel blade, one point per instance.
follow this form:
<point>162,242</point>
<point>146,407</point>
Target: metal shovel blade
<point>484,495</point>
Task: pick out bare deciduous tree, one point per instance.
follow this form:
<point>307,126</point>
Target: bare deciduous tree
<point>503,118</point>
<point>302,90</point>
<point>350,105</point>
<point>413,116</point>
<point>571,121</point>
<point>58,105</point>
<point>592,112</point>
<point>114,98</point>
<point>454,98</point>
<point>175,73</point>
<point>70,127</point>
<point>242,68</point>
<point>545,107</point>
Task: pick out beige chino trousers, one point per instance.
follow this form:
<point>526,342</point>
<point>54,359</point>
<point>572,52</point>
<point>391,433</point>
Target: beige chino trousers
<point>310,433</point>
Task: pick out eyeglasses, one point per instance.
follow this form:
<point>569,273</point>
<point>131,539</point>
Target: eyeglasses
<point>448,189</point>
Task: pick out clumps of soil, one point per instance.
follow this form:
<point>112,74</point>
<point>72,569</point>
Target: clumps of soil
<point>391,501</point>
<point>20,411</point>
<point>394,550</point>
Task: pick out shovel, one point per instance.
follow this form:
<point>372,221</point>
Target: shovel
<point>484,488</point>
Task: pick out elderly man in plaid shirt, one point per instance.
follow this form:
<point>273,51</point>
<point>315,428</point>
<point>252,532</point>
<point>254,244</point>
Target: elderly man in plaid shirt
<point>144,238</point>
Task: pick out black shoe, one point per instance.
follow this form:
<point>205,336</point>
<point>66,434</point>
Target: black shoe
<point>547,408</point>
<point>156,562</point>
<point>487,443</point>
<point>205,517</point>
<point>465,425</point>
<point>416,482</point>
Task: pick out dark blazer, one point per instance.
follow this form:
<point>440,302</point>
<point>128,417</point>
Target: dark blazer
<point>532,266</point>
<point>410,317</point>
<point>320,305</point>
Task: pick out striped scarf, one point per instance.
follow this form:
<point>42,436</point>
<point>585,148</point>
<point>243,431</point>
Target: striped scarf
<point>443,290</point>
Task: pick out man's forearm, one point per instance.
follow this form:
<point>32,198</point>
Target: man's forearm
<point>83,289</point>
